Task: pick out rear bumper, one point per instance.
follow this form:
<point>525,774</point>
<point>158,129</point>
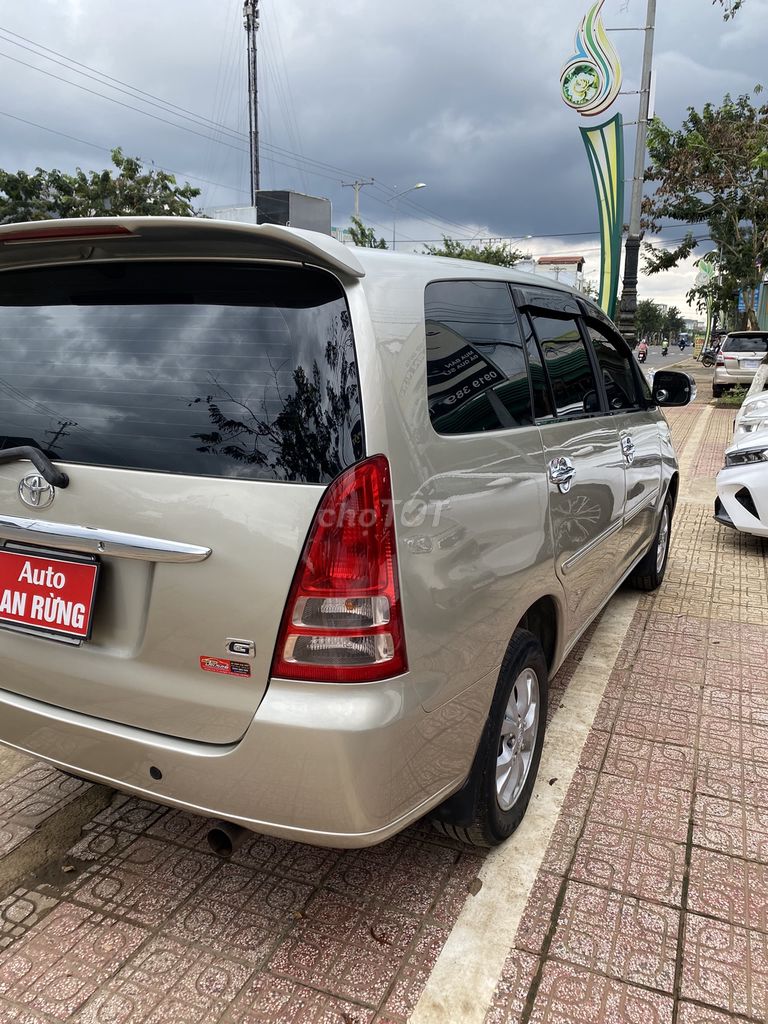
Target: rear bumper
<point>344,766</point>
<point>723,376</point>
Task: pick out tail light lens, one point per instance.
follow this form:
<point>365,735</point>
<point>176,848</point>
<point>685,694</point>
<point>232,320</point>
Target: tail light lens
<point>720,360</point>
<point>343,620</point>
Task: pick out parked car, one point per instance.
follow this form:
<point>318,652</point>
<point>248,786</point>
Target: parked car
<point>742,485</point>
<point>752,414</point>
<point>738,359</point>
<point>307,529</point>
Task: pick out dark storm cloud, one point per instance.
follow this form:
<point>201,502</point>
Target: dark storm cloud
<point>462,96</point>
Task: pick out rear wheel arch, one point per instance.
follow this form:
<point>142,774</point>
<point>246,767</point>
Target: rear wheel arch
<point>476,813</point>
<point>542,619</point>
<point>673,490</point>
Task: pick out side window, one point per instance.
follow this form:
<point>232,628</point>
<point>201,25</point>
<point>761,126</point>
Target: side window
<point>477,377</point>
<point>616,369</point>
<point>568,366</point>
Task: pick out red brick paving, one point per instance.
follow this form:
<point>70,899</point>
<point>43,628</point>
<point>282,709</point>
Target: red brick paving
<point>652,902</point>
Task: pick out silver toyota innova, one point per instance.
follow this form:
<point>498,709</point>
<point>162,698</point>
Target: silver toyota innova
<point>293,535</point>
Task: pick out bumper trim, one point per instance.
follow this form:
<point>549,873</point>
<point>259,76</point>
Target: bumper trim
<point>721,516</point>
<point>295,833</point>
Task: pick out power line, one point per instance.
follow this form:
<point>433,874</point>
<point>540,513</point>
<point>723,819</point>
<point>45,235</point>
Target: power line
<point>106,149</point>
<point>120,103</point>
<point>170,108</point>
<point>109,78</point>
<point>196,118</point>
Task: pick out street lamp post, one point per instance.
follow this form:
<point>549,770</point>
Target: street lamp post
<point>394,199</point>
<point>628,305</point>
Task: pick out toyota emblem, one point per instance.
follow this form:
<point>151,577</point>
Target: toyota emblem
<point>35,491</point>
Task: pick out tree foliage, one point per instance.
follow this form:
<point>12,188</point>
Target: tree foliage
<point>309,433</point>
<point>500,254</point>
<point>673,322</point>
<point>365,236</point>
<point>649,318</point>
<point>729,7</point>
<point>125,190</point>
<point>713,171</point>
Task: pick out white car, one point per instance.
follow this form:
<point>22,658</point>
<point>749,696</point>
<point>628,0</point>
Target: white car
<point>752,415</point>
<point>742,485</point>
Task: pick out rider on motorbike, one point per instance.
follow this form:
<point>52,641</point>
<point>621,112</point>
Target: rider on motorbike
<point>642,351</point>
<point>664,346</point>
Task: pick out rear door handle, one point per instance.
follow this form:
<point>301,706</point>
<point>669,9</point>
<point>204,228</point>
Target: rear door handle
<point>561,472</point>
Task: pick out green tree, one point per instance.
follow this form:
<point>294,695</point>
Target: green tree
<point>365,236</point>
<point>673,323</point>
<point>499,254</point>
<point>125,190</point>
<point>713,171</point>
<point>649,319</point>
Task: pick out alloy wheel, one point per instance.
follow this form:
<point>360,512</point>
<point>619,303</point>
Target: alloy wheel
<point>519,731</point>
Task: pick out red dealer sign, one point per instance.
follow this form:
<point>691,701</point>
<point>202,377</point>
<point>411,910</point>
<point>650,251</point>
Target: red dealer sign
<point>51,594</point>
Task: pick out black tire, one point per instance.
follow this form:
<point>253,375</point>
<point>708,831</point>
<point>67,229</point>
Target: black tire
<point>476,815</point>
<point>649,571</point>
<point>717,390</point>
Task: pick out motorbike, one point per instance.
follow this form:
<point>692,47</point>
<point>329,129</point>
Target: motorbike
<point>708,358</point>
<point>681,345</point>
<point>664,350</point>
<point>642,355</point>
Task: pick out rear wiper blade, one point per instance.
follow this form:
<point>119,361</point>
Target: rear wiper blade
<point>41,462</point>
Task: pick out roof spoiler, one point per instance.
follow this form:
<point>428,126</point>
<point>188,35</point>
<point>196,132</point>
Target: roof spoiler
<point>116,231</point>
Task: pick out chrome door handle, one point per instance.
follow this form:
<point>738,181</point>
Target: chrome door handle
<point>628,449</point>
<point>561,472</point>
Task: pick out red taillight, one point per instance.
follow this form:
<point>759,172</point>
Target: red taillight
<point>343,621</point>
<point>720,360</point>
<point>64,232</point>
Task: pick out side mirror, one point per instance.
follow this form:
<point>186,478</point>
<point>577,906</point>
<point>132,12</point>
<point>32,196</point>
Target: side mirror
<point>673,387</point>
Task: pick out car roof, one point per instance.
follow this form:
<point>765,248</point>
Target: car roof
<point>34,241</point>
<point>378,261</point>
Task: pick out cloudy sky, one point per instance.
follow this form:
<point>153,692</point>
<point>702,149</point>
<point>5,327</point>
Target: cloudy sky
<point>462,96</point>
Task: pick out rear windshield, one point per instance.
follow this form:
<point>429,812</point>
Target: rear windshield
<point>210,369</point>
<point>746,343</point>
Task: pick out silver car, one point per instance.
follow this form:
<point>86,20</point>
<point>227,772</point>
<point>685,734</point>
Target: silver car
<point>738,359</point>
<point>294,535</point>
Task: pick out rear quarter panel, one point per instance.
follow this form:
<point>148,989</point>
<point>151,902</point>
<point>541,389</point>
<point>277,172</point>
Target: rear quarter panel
<point>471,513</point>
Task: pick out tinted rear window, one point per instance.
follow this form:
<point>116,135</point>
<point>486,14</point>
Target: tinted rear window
<point>746,343</point>
<point>231,370</point>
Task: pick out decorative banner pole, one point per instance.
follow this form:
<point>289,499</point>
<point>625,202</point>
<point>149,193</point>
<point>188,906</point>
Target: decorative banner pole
<point>705,280</point>
<point>590,82</point>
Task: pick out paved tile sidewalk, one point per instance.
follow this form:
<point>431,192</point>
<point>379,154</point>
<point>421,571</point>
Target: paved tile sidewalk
<point>652,905</point>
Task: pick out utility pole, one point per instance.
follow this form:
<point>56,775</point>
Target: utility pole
<point>357,185</point>
<point>628,305</point>
<point>251,22</point>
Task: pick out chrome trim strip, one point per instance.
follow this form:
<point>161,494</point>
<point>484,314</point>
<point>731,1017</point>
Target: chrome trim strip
<point>651,500</point>
<point>571,562</point>
<point>99,542</point>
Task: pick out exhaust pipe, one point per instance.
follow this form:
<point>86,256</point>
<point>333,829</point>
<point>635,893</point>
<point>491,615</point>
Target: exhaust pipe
<point>224,838</point>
